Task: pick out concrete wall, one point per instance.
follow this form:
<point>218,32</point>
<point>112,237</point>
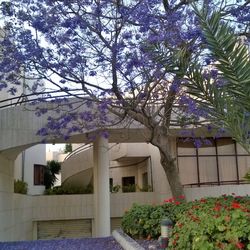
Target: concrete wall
<point>199,192</point>
<point>160,183</point>
<point>62,207</point>
<point>59,207</point>
<point>15,209</point>
<point>29,157</point>
<point>22,225</point>
<point>34,155</point>
<point>6,197</point>
<point>78,163</point>
<point>121,150</point>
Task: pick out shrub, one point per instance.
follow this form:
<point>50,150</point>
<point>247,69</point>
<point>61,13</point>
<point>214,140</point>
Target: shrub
<point>68,148</point>
<point>69,189</point>
<point>50,171</point>
<point>147,188</point>
<point>114,188</point>
<point>213,223</point>
<point>247,176</point>
<point>129,188</point>
<point>20,187</point>
<point>143,221</point>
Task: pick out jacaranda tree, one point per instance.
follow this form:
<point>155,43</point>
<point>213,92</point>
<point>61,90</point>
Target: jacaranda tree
<point>127,58</point>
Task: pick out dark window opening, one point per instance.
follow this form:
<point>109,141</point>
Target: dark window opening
<point>144,181</point>
<point>128,184</point>
<point>39,174</point>
<point>110,184</point>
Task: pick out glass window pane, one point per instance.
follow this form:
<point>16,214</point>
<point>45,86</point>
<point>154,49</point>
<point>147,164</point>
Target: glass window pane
<point>225,146</point>
<point>244,166</point>
<point>186,148</point>
<point>207,149</point>
<point>241,150</point>
<point>208,169</point>
<point>227,168</point>
<point>188,170</point>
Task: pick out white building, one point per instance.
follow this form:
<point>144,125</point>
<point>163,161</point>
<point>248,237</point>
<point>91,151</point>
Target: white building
<point>203,172</point>
<point>29,167</point>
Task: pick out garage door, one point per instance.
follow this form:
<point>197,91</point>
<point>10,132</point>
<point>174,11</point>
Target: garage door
<point>64,229</point>
<point>115,223</point>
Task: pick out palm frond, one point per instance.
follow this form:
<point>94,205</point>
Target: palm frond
<point>228,104</point>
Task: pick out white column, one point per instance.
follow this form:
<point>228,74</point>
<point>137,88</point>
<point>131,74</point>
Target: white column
<point>101,187</point>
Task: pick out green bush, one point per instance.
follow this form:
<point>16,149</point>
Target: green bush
<point>143,221</point>
<point>129,188</point>
<point>114,188</point>
<point>213,223</point>
<point>147,188</point>
<point>69,189</point>
<point>20,187</point>
<point>247,176</point>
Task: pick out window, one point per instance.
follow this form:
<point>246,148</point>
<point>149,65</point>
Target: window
<point>128,184</point>
<point>221,162</point>
<point>144,181</point>
<point>39,174</point>
<point>110,184</point>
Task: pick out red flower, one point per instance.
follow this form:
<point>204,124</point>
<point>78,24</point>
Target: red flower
<point>180,225</point>
<point>177,203</point>
<point>169,200</point>
<point>217,208</point>
<point>235,205</point>
<point>239,245</point>
<point>182,197</point>
<point>203,200</point>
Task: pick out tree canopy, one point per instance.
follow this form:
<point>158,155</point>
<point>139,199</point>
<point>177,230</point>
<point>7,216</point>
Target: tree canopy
<point>50,170</point>
<point>130,58</point>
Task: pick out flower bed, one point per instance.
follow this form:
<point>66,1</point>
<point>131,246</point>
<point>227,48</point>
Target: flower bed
<point>211,223</point>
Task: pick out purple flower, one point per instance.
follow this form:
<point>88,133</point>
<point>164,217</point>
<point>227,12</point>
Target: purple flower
<point>197,143</point>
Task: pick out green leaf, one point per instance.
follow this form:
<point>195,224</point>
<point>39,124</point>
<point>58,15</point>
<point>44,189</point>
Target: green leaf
<point>221,228</point>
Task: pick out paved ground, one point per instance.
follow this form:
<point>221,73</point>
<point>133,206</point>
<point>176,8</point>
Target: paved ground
<point>107,243</point>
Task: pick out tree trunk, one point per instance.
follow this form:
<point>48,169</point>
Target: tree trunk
<point>160,139</point>
<point>170,168</point>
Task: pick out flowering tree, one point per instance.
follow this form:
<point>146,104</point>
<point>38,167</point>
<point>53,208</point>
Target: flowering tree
<point>128,58</point>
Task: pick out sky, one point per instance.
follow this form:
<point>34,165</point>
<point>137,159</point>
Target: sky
<point>56,147</point>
